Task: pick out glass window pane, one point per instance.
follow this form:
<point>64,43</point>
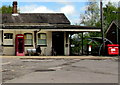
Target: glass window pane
<point>8,39</point>
<point>42,39</point>
<point>28,42</point>
<point>43,36</point>
<point>42,42</point>
<point>29,36</point>
<point>28,39</point>
<point>8,36</point>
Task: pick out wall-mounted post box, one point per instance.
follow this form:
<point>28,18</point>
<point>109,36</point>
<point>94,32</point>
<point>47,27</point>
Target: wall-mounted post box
<point>113,49</point>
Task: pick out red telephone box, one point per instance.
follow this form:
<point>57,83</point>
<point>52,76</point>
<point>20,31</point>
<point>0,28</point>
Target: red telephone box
<point>19,45</point>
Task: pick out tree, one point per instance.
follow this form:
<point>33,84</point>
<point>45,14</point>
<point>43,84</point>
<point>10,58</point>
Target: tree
<point>108,14</point>
<point>6,9</point>
<point>91,16</point>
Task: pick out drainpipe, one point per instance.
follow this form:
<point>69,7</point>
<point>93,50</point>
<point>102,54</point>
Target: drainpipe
<point>35,41</point>
<point>35,38</point>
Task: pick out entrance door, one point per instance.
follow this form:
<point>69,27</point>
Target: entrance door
<point>58,42</point>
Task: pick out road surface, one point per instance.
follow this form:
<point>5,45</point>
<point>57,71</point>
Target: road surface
<point>16,70</point>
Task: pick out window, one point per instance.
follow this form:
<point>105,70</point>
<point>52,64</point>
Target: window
<point>42,39</point>
<point>8,39</point>
<point>28,39</point>
<point>8,36</point>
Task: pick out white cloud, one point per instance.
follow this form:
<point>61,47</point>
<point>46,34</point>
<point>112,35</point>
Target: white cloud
<point>115,2</point>
<point>35,9</point>
<point>27,9</point>
<point>45,0</point>
<point>76,20</point>
<point>111,0</point>
<point>42,9</point>
<point>68,9</point>
<point>57,0</point>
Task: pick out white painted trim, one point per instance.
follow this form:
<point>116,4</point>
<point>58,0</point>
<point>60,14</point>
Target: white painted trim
<point>81,30</point>
<point>20,29</point>
<point>113,22</point>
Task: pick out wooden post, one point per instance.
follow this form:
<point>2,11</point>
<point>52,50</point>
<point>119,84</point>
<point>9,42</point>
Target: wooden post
<point>70,45</point>
<point>82,44</point>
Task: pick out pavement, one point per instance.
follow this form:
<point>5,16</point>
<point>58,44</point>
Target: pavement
<point>63,57</point>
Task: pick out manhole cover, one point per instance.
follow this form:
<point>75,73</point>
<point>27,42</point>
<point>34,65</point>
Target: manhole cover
<point>44,70</point>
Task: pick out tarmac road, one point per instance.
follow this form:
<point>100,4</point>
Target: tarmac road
<point>16,70</point>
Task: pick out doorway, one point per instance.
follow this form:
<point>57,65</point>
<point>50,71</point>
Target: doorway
<point>58,42</point>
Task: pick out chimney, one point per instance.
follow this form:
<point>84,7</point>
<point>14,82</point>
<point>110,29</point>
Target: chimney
<point>14,11</point>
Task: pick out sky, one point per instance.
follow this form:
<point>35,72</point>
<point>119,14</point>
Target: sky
<point>71,8</point>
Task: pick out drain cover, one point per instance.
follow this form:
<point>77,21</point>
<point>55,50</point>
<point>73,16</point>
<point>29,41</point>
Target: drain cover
<point>44,70</point>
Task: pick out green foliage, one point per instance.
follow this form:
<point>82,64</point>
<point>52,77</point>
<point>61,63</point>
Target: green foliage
<point>91,16</point>
<point>95,34</point>
<point>77,41</point>
<point>108,14</point>
<point>77,47</point>
<point>6,9</point>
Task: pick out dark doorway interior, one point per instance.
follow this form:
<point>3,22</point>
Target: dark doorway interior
<point>20,46</point>
<point>58,42</point>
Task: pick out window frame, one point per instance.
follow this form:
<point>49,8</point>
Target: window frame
<point>9,39</point>
<point>39,34</point>
<point>28,45</point>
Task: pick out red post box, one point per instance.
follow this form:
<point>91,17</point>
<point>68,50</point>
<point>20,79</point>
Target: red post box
<point>19,45</point>
<point>113,49</point>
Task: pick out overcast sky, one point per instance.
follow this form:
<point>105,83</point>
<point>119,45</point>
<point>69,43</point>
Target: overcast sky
<point>71,8</point>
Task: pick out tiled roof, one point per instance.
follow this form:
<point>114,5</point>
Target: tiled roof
<point>51,18</point>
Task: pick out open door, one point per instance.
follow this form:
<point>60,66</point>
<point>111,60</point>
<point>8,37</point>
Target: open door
<point>19,45</point>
